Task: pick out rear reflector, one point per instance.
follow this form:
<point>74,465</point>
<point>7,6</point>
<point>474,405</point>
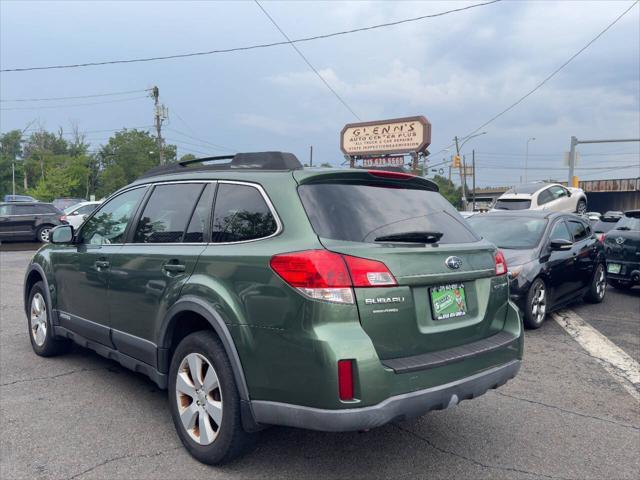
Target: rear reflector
<point>501,263</point>
<point>329,276</point>
<point>345,379</point>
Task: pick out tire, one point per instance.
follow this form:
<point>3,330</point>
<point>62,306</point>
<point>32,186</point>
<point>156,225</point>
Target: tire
<point>620,286</point>
<point>536,306</point>
<point>203,354</point>
<point>43,342</point>
<point>597,286</point>
<point>581,207</point>
<point>42,234</point>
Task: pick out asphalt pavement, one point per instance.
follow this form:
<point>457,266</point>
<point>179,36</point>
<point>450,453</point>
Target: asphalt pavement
<point>81,416</point>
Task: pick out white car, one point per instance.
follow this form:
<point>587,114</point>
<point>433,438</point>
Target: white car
<point>543,196</point>
<point>75,214</point>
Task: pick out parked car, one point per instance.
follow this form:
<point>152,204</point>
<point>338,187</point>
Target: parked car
<point>543,196</point>
<point>260,293</point>
<point>63,203</point>
<point>553,259</point>
<point>76,214</point>
<point>606,223</point>
<point>622,247</point>
<point>593,217</point>
<point>28,220</point>
<point>19,198</point>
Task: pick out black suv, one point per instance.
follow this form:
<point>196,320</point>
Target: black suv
<point>28,221</point>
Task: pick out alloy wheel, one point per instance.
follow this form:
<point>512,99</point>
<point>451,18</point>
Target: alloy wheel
<point>44,235</point>
<point>199,398</point>
<point>38,319</point>
<point>582,208</point>
<point>539,303</point>
<point>601,282</point>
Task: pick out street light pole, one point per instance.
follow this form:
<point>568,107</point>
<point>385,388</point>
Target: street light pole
<point>526,159</point>
<point>462,172</point>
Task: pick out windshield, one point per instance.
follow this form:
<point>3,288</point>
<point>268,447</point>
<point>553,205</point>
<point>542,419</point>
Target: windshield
<point>518,233</point>
<point>628,223</point>
<point>512,204</point>
<point>604,225</point>
<point>364,212</point>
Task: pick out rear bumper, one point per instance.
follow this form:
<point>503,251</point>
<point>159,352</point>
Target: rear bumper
<point>395,408</point>
<point>629,271</point>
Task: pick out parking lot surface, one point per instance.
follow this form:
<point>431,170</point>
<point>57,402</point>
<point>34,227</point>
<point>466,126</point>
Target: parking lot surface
<point>81,416</point>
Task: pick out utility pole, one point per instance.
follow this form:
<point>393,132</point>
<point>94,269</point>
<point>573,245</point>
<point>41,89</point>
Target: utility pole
<point>526,159</point>
<point>464,196</point>
<point>160,115</point>
<point>473,166</point>
<point>573,181</point>
<point>311,155</point>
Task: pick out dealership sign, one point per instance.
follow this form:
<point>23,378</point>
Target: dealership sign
<point>400,135</point>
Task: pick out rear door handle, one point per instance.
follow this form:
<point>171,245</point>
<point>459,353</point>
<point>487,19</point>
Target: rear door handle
<point>100,264</point>
<point>173,268</point>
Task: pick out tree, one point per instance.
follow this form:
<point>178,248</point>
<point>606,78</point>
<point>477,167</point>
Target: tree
<point>449,191</point>
<point>10,152</point>
<point>126,156</point>
<point>187,156</point>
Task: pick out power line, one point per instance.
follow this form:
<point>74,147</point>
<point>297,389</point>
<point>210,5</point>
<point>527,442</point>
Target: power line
<point>73,98</point>
<point>553,74</point>
<point>250,47</point>
<point>340,99</point>
<point>219,147</point>
<point>75,104</point>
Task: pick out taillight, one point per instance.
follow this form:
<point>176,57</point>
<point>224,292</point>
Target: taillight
<point>369,273</point>
<point>63,218</point>
<point>329,276</point>
<point>345,379</point>
<point>387,174</point>
<point>501,263</point>
<point>601,238</point>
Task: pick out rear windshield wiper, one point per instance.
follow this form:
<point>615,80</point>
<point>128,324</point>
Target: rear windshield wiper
<point>413,237</point>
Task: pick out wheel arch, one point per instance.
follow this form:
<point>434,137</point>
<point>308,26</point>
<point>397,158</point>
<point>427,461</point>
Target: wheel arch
<point>35,273</point>
<point>194,305</point>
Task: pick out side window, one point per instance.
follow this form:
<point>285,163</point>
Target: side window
<point>167,212</point>
<point>5,209</point>
<point>23,210</point>
<point>560,232</point>
<point>45,209</point>
<point>110,222</point>
<point>558,192</point>
<point>544,196</point>
<point>201,214</point>
<point>578,230</point>
<point>240,214</point>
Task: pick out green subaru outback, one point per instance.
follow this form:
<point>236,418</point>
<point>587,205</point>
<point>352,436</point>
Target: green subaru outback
<point>261,293</point>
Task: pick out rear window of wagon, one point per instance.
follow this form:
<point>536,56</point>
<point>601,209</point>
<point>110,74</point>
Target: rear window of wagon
<point>363,212</point>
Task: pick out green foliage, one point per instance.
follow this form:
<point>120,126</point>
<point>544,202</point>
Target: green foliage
<point>10,151</point>
<point>127,155</point>
<point>187,156</point>
<point>449,191</point>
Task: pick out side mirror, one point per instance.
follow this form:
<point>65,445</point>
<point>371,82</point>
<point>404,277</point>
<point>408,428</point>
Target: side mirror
<point>62,234</point>
<point>560,244</point>
<point>74,213</point>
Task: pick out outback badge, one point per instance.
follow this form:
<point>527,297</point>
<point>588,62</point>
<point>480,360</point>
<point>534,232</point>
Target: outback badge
<point>453,262</point>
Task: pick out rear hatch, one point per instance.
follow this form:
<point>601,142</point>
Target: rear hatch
<point>623,242</point>
<point>446,294</point>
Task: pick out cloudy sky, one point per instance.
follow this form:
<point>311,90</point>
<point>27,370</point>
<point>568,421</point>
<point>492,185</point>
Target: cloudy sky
<point>458,70</point>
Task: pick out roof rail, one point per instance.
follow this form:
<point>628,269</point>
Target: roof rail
<point>239,161</point>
